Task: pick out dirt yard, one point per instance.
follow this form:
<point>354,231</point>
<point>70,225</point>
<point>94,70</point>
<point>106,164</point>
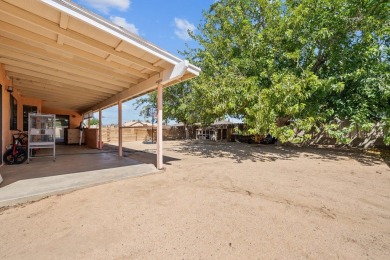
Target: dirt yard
<point>217,201</point>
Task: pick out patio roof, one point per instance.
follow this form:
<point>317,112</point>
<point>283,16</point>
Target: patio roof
<point>71,58</point>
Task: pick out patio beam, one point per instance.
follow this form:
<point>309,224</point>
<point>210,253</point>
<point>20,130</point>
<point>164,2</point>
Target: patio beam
<point>56,87</point>
<point>62,64</point>
<point>165,78</point>
<point>64,20</point>
<point>48,45</point>
<point>17,70</point>
<point>139,89</point>
<point>53,93</point>
<point>75,11</point>
<point>63,74</point>
<point>30,18</point>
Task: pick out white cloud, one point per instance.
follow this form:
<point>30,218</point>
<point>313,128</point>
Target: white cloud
<point>105,5</point>
<point>123,23</point>
<point>182,28</point>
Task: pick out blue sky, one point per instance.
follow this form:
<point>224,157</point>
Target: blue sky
<point>164,23</point>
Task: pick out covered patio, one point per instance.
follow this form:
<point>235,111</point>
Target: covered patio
<point>64,59</point>
<point>76,167</point>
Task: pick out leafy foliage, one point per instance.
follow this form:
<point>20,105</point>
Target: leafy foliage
<point>94,121</point>
<point>178,104</point>
<point>287,66</point>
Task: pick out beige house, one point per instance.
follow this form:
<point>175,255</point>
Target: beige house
<point>59,58</point>
<point>137,124</point>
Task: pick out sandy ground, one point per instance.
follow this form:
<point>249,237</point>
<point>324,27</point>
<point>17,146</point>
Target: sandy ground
<point>217,201</point>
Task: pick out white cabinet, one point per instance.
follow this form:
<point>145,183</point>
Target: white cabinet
<point>41,134</point>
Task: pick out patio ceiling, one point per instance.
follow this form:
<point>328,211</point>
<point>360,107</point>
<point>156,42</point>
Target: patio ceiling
<point>70,58</point>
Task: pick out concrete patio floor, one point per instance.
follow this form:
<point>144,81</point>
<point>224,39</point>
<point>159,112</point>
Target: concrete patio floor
<point>75,167</point>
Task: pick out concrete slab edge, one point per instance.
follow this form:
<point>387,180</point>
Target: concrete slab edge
<point>36,197</point>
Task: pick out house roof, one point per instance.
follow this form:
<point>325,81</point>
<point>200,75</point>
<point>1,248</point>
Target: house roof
<point>74,59</point>
<point>223,122</point>
<point>137,124</point>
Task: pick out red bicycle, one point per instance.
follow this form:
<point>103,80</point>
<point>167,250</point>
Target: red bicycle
<point>17,152</point>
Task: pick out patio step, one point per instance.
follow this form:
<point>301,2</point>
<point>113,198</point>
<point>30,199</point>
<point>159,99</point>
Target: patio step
<point>35,189</point>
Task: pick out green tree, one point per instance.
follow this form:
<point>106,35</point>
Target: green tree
<point>178,104</point>
<point>287,66</point>
<point>94,121</point>
<point>291,65</point>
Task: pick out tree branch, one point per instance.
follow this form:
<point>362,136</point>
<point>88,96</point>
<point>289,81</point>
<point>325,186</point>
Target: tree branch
<point>320,61</point>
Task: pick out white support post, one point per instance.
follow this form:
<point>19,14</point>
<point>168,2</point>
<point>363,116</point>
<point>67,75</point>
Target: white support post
<point>159,127</point>
<point>100,146</point>
<point>120,128</point>
<point>81,126</point>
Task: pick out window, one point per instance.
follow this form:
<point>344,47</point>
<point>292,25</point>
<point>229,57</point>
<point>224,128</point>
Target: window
<point>13,113</point>
<point>26,111</point>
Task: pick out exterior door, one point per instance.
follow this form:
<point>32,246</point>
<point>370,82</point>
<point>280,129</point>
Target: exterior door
<point>62,122</point>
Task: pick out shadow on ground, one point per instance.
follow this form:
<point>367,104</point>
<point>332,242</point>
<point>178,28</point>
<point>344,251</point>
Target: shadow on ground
<point>382,153</point>
<point>261,153</point>
<point>73,159</point>
<point>144,156</point>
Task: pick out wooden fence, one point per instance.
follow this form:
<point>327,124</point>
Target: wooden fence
<point>111,134</point>
<point>360,138</point>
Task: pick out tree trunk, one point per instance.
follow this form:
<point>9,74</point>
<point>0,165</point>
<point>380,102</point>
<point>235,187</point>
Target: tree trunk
<point>186,131</point>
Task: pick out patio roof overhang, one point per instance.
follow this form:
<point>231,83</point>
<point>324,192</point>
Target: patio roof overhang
<point>71,58</point>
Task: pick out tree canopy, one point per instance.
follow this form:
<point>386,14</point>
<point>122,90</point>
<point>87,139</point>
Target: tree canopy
<point>94,121</point>
<point>178,103</point>
<point>286,66</point>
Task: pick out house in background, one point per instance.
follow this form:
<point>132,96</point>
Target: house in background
<point>137,124</point>
<point>218,131</point>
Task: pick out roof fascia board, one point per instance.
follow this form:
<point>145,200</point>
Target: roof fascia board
<point>193,69</point>
<point>98,22</point>
<point>176,73</point>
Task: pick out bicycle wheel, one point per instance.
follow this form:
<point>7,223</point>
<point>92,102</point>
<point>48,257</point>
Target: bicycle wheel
<point>21,156</point>
<point>8,157</point>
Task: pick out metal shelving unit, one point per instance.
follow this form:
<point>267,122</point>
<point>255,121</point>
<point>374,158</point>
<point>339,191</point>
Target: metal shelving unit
<point>41,134</point>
